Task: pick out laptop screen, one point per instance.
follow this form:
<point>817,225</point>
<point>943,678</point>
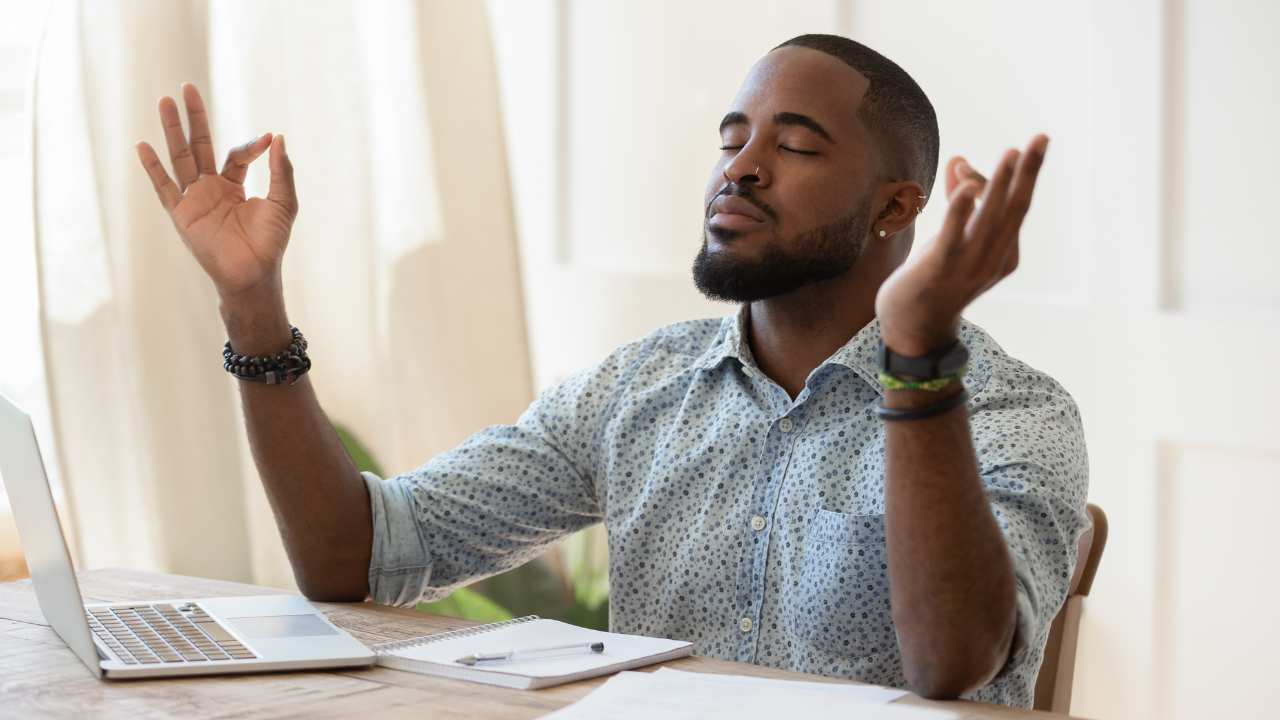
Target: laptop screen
<point>40,531</point>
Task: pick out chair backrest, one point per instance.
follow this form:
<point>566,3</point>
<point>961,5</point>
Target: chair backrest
<point>1053,684</point>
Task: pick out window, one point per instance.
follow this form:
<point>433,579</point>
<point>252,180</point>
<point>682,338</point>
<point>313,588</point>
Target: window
<point>21,366</point>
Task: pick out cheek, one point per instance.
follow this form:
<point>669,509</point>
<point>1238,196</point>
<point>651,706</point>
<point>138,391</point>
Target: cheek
<point>820,199</point>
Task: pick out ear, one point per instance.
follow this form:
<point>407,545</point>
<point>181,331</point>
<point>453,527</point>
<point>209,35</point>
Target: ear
<point>899,203</point>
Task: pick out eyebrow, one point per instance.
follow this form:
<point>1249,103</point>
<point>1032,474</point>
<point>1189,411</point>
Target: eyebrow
<point>782,118</point>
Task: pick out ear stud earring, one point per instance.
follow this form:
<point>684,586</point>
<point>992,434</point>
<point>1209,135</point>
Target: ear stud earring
<point>882,233</point>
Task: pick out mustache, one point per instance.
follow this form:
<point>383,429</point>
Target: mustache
<point>744,192</point>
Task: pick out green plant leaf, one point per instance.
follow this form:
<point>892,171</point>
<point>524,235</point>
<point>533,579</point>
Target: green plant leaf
<point>532,588</point>
<point>469,605</point>
<point>595,616</point>
<point>587,553</point>
<point>360,454</point>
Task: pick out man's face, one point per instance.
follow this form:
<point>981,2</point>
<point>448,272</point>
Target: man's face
<point>788,202</point>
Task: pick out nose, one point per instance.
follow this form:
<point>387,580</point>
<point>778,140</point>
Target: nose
<point>742,170</point>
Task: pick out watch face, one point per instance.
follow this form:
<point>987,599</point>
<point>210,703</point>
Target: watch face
<point>948,361</point>
<point>954,359</point>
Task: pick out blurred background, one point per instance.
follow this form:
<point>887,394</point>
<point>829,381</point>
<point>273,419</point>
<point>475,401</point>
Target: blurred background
<point>495,194</point>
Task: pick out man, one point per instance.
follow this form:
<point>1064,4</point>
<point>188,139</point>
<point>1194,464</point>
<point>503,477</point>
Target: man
<point>773,489</point>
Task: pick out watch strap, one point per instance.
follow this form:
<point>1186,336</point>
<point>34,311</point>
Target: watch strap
<point>947,361</point>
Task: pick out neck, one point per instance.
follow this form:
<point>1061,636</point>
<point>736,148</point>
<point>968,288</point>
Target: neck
<point>792,334</point>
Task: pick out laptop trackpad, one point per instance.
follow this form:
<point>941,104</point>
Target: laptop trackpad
<point>281,626</point>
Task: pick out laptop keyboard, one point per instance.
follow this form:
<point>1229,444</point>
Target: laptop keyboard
<point>161,633</point>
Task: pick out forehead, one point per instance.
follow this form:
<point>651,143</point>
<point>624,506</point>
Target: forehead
<point>805,81</point>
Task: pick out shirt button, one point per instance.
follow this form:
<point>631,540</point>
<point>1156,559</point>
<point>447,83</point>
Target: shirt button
<point>785,424</point>
<point>757,523</point>
<point>745,624</point>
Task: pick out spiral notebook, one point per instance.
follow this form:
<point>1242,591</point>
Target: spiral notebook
<point>438,654</point>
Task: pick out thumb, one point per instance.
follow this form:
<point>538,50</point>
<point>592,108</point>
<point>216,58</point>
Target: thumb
<point>958,171</point>
<point>953,165</point>
<point>281,190</point>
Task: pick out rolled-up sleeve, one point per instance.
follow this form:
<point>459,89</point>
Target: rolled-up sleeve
<point>1030,444</point>
<point>497,500</point>
<point>401,565</point>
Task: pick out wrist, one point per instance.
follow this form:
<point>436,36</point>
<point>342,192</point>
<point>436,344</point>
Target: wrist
<point>917,342</point>
<point>915,399</point>
<point>266,292</point>
<point>256,322</point>
<point>284,367</point>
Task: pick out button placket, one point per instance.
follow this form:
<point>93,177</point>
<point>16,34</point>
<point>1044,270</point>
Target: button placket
<point>773,459</point>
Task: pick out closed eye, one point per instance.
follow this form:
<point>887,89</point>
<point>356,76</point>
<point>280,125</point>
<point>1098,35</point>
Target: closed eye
<point>783,147</point>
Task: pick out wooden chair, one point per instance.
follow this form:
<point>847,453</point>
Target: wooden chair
<point>1053,684</point>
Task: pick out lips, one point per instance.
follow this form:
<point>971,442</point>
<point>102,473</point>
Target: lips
<point>729,205</point>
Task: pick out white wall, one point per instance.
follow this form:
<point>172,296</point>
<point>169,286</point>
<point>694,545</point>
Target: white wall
<point>1146,284</point>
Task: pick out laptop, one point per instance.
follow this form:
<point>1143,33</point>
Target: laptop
<point>155,638</point>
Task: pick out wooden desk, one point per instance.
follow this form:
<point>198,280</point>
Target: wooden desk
<point>40,677</point>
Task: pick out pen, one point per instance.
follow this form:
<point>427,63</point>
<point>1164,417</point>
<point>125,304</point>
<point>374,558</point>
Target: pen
<point>595,647</point>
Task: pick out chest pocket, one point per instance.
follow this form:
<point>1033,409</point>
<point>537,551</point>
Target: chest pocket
<point>845,586</point>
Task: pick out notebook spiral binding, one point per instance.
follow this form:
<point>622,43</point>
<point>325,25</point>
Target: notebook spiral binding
<point>394,645</point>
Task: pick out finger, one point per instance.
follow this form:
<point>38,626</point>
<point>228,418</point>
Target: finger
<point>167,191</point>
<point>184,163</point>
<point>968,172</point>
<point>952,174</point>
<point>198,122</point>
<point>281,189</point>
<point>959,170</point>
<point>1019,200</point>
<point>960,207</point>
<point>1024,181</point>
<point>998,187</point>
<point>987,222</point>
<point>238,160</point>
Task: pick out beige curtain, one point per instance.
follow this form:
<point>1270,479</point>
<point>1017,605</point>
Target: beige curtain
<point>402,270</point>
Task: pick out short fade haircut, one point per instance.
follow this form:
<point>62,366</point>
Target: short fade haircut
<point>894,108</point>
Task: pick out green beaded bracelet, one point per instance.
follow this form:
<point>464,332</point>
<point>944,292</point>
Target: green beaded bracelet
<point>890,382</point>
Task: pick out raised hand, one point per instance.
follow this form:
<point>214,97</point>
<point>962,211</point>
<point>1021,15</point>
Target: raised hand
<point>238,241</point>
<point>919,305</point>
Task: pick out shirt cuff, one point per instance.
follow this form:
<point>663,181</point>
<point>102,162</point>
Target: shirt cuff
<point>400,566</point>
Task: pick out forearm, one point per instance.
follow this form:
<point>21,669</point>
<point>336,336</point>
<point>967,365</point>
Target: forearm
<point>951,578</point>
<point>319,500</point>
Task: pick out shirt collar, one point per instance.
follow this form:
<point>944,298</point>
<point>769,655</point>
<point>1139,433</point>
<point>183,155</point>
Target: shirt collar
<point>730,342</point>
<point>859,354</point>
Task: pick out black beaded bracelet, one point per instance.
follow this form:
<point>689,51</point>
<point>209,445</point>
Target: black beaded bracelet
<point>286,366</point>
<point>937,408</point>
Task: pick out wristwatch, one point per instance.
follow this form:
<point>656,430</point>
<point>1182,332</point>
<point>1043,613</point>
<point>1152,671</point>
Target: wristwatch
<point>946,362</point>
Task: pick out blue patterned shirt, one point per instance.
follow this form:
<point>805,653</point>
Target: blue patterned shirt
<point>738,518</point>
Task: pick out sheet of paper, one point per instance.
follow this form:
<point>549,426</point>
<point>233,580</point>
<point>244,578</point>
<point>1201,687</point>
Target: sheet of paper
<point>636,695</point>
<point>865,693</point>
<point>543,633</point>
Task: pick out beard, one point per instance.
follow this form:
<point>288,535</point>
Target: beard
<point>785,264</point>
